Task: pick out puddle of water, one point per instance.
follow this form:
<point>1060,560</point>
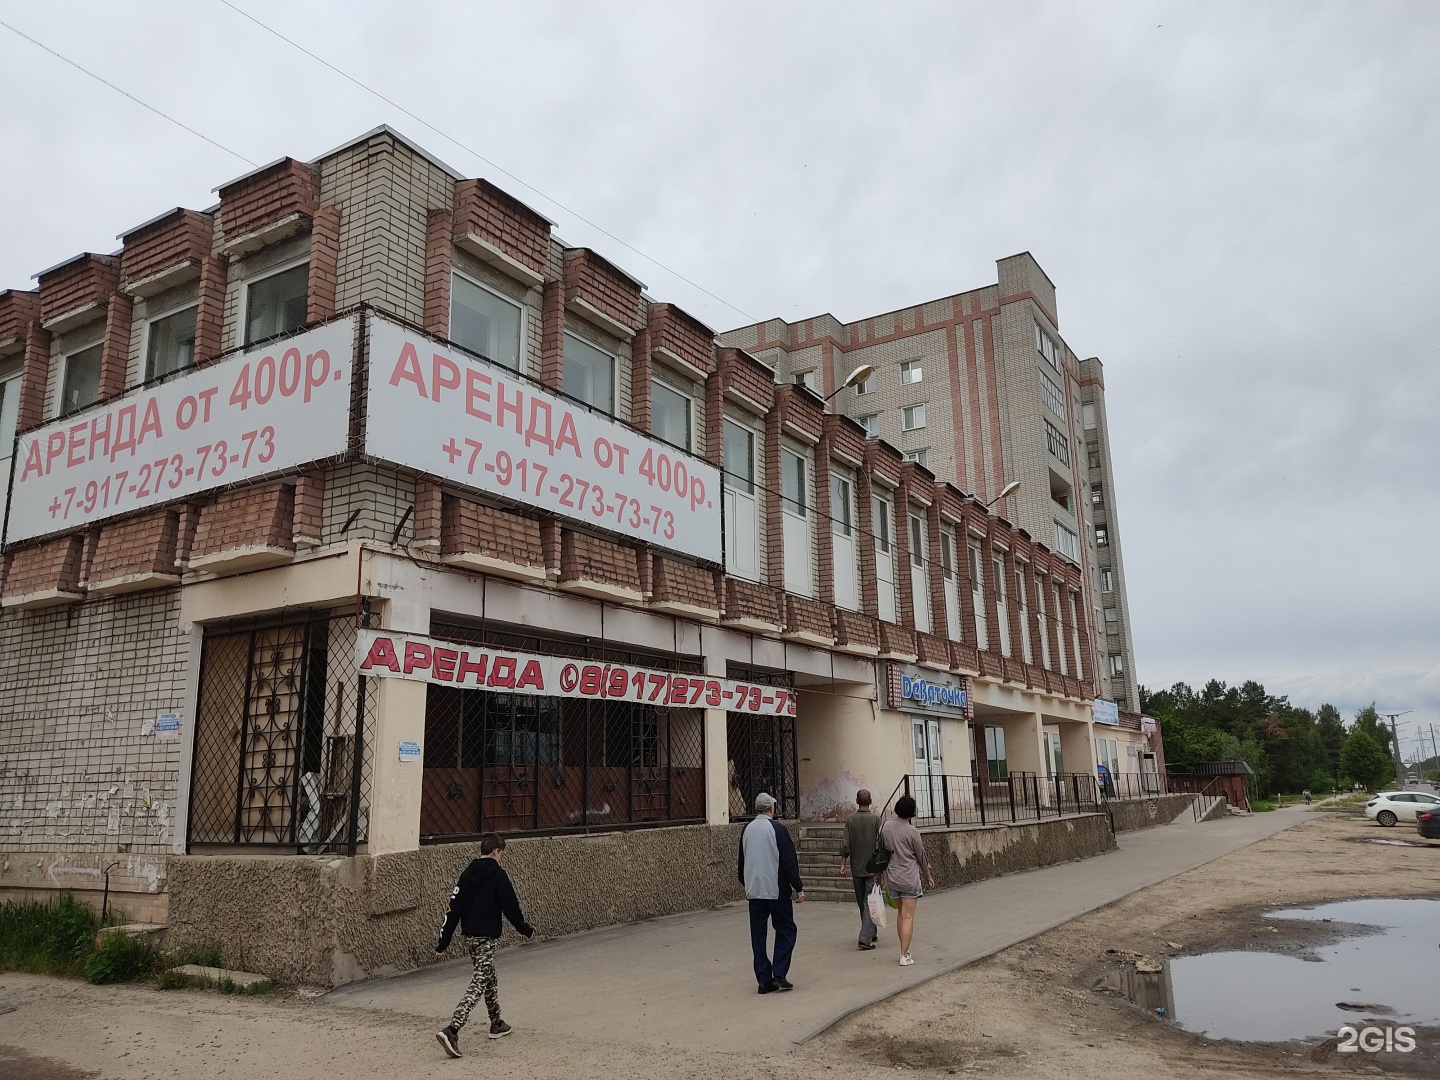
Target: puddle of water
<point>1392,975</point>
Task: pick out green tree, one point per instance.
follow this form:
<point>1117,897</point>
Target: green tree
<point>1369,721</point>
<point>1332,735</point>
<point>1364,760</point>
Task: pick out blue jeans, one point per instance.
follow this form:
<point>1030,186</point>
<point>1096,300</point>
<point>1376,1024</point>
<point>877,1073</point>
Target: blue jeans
<point>868,932</point>
<point>781,913</point>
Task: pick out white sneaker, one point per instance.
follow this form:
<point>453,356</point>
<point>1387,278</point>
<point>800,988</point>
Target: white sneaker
<point>906,960</point>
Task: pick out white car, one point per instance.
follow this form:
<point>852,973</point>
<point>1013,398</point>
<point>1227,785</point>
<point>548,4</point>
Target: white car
<point>1391,806</point>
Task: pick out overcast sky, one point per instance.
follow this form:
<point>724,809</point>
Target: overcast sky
<point>1236,201</point>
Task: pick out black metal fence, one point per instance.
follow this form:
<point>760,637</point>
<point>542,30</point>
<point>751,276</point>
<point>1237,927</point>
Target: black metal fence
<point>1132,785</point>
<point>516,763</point>
<point>943,800</point>
<point>761,751</point>
<point>281,757</point>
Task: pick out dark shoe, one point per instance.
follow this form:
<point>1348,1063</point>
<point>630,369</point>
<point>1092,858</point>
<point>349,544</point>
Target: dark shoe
<point>449,1039</point>
<point>499,1029</point>
<point>768,988</point>
<point>784,984</point>
<point>867,944</point>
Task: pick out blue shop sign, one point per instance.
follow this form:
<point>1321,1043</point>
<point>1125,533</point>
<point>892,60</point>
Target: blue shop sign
<point>915,691</point>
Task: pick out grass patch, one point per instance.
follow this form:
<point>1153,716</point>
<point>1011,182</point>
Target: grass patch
<point>56,937</point>
<point>202,954</point>
<point>1260,806</point>
<point>175,980</point>
<point>121,958</point>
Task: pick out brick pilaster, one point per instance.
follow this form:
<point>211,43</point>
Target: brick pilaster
<point>1032,614</point>
<point>1012,609</point>
<point>1052,622</point>
<point>1088,673</point>
<point>640,371</point>
<point>869,588</point>
<point>34,379</point>
<point>550,545</point>
<point>900,543</point>
<point>439,227</point>
<point>992,607</point>
<point>552,335</point>
<point>324,263</point>
<point>428,505</point>
<point>774,523</point>
<point>310,507</point>
<point>825,529</point>
<point>115,349</point>
<point>935,573</point>
<point>210,315</point>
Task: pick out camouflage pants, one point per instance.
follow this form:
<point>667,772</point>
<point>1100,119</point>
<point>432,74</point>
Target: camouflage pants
<point>482,983</point>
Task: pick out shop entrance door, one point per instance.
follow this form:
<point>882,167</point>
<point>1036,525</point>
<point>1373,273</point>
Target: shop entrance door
<point>929,787</point>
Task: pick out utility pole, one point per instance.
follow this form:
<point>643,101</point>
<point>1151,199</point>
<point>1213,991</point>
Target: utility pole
<point>1395,743</point>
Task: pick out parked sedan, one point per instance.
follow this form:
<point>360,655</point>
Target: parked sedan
<point>1391,806</point>
<point>1427,822</point>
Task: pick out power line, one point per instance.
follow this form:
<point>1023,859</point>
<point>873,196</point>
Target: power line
<point>125,93</point>
<point>476,153</point>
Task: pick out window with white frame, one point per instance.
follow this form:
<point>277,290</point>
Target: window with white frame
<point>1047,347</point>
<point>1063,659</point>
<point>1066,542</point>
<point>977,597</point>
<point>1002,609</point>
<point>1022,599</point>
<point>912,417</point>
<point>1075,634</point>
<point>1117,664</point>
<point>1102,536</point>
<point>1107,579</point>
<point>844,554</point>
<point>884,557</point>
<point>589,374</point>
<point>871,424</point>
<point>485,323</point>
<point>81,385</point>
<point>1087,415</point>
<point>950,583</point>
<point>866,385</point>
<point>1042,626</point>
<point>742,519</point>
<point>795,523</point>
<point>919,573</point>
<point>170,343</point>
<point>920,457</point>
<point>669,414</point>
<point>810,380</point>
<point>1057,443</point>
<point>911,371</point>
<point>276,304</point>
<point>9,414</point>
<point>1097,495</point>
<point>1054,400</point>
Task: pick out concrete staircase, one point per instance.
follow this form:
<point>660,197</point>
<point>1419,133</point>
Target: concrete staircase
<point>819,852</point>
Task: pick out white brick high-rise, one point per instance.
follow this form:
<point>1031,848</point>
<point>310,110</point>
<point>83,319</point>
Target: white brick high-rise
<point>982,390</point>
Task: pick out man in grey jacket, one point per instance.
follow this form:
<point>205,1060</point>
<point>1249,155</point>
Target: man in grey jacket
<point>861,828</point>
<point>769,870</point>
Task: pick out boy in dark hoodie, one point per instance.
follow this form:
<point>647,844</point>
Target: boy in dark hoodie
<point>481,896</point>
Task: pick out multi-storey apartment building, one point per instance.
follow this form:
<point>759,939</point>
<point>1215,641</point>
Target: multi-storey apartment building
<point>981,389</point>
<point>358,515</point>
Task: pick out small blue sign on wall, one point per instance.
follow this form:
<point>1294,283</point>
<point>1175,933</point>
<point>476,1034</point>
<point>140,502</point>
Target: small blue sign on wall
<point>409,751</point>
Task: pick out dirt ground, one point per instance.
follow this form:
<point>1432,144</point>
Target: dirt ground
<point>1033,1009</point>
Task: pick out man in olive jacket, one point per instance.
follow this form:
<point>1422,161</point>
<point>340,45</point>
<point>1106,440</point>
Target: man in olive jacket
<point>861,828</point>
<point>482,895</point>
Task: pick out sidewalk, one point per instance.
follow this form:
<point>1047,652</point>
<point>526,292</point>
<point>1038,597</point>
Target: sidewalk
<point>686,980</point>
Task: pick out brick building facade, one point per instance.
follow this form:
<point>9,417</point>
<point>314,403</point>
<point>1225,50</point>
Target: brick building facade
<point>201,640</point>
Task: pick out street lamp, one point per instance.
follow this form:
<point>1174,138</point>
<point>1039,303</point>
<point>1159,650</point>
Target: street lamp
<point>859,375</point>
<point>1009,489</point>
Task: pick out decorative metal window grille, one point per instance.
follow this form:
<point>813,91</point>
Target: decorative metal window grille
<point>281,758</point>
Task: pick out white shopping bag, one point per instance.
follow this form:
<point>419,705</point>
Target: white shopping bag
<point>875,901</point>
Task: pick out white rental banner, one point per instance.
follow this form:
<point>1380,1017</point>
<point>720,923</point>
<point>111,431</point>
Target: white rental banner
<point>476,424</point>
<point>270,408</point>
<point>387,655</point>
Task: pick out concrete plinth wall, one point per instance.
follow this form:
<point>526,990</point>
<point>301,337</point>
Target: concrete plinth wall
<point>960,856</point>
<point>1127,814</point>
<point>327,921</point>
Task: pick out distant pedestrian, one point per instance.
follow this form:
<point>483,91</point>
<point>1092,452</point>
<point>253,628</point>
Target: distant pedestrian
<point>481,896</point>
<point>903,876</point>
<point>861,828</point>
<point>770,872</point>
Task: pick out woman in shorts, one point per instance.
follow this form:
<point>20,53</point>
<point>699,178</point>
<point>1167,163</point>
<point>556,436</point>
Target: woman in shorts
<point>903,877</point>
